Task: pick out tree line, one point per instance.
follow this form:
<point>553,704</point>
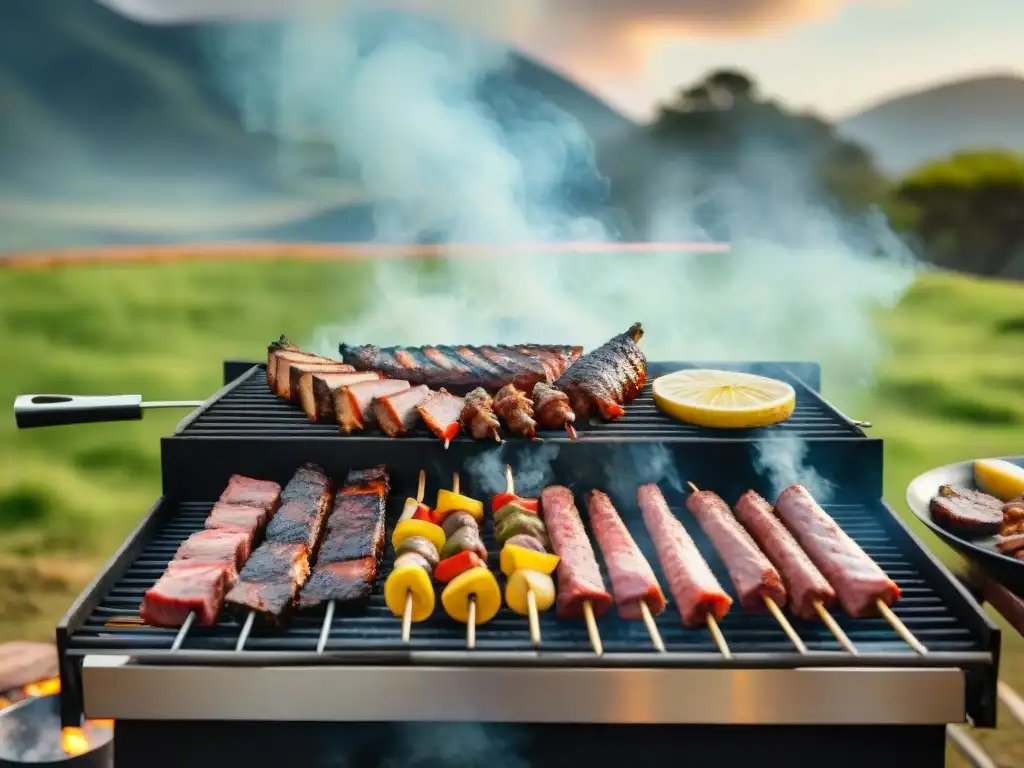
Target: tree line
<point>737,163</point>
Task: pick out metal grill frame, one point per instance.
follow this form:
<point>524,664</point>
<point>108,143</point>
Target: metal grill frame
<point>195,470</point>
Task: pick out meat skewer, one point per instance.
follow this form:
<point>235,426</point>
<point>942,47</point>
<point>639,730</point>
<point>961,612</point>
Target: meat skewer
<point>809,592</point>
<point>525,558</point>
<point>756,580</point>
<point>606,378</point>
<point>698,595</point>
<point>441,412</point>
<point>861,586</point>
<point>207,563</point>
<point>552,409</point>
<point>353,403</point>
<point>316,391</point>
<point>581,590</point>
<point>478,415</point>
<point>516,409</point>
<point>472,593</point>
<point>349,555</point>
<point>417,540</point>
<point>634,585</point>
<point>465,367</point>
<point>270,582</point>
<point>396,413</point>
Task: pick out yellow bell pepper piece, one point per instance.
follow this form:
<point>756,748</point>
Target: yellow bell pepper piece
<point>406,580</point>
<point>448,502</point>
<point>476,582</point>
<point>514,558</point>
<point>407,528</point>
<point>523,581</point>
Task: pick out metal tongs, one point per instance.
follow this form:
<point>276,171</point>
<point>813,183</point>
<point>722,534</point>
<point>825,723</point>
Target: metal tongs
<point>57,410</point>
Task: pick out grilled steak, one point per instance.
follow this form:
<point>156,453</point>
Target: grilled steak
<point>967,512</point>
<point>289,380</point>
<point>190,586</point>
<point>516,409</point>
<point>213,545</point>
<point>269,581</point>
<point>353,403</point>
<point>607,377</point>
<point>249,492</point>
<point>464,367</point>
<point>441,412</point>
<point>304,504</point>
<point>396,413</point>
<point>478,415</point>
<point>346,566</point>
<point>237,517</point>
<point>316,391</point>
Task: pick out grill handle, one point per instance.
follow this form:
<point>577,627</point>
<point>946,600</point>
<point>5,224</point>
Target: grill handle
<point>56,410</point>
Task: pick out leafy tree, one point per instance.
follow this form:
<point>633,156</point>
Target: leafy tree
<point>967,211</point>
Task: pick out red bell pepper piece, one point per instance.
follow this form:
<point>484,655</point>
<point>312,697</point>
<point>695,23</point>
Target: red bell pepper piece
<point>501,499</point>
<point>425,513</point>
<point>451,567</point>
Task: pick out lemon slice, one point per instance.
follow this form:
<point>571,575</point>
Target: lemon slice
<point>723,399</point>
<point>1000,478</point>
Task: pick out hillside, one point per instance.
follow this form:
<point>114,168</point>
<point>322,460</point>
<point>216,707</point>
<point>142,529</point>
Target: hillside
<point>909,130</point>
<point>100,111</point>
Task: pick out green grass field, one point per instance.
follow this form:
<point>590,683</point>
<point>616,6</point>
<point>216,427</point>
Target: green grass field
<point>950,389</point>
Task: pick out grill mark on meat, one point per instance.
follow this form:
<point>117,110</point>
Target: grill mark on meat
<point>443,362</point>
<point>607,377</point>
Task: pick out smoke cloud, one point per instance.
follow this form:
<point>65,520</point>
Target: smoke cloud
<point>531,470</point>
<point>782,461</point>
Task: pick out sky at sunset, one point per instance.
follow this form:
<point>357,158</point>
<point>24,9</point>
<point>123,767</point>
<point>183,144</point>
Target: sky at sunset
<point>835,56</point>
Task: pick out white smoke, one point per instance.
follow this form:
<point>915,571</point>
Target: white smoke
<point>782,462</point>
<point>531,470</point>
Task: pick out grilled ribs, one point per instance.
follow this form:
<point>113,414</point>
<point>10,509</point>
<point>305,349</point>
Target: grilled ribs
<point>607,377</point>
<point>464,367</point>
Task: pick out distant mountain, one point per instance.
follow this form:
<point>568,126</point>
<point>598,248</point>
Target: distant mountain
<point>102,111</point>
<point>910,130</point>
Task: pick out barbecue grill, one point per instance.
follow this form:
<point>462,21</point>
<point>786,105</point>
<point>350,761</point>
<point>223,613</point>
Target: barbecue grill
<point>296,694</point>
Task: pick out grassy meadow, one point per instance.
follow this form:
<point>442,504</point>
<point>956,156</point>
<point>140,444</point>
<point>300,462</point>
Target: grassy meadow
<point>950,389</point>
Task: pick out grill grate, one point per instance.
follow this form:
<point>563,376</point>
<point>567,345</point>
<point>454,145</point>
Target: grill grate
<point>248,409</point>
<point>924,610</point>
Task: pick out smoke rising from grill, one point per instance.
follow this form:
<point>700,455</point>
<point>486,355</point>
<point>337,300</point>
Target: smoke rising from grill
<point>782,462</point>
<point>531,470</point>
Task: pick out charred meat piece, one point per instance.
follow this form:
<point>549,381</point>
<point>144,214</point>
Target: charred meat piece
<point>552,410</point>
<point>270,581</point>
<point>1013,517</point>
<point>288,384</point>
<point>440,412</point>
<point>396,413</point>
<point>516,409</point>
<point>316,391</point>
<point>606,378</point>
<point>304,505</point>
<point>478,415</point>
<point>217,545</point>
<point>283,349</point>
<point>353,403</point>
<point>189,587</point>
<point>238,517</point>
<point>465,367</point>
<point>349,583</point>
<point>346,566</point>
<point>967,512</point>
<point>252,493</point>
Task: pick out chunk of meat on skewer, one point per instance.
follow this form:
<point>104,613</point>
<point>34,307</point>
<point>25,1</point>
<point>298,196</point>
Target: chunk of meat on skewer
<point>396,413</point>
<point>441,412</point>
<point>516,409</point>
<point>552,410</point>
<point>478,415</point>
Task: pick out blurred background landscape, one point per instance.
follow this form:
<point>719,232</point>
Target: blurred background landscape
<point>119,132</point>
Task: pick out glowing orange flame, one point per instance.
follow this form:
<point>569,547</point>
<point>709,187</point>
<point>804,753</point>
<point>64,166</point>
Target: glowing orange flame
<point>73,741</point>
<point>43,687</point>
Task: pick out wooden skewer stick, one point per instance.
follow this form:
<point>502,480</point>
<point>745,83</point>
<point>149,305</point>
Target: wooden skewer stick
<point>652,628</point>
<point>185,627</point>
<point>786,626</point>
<point>833,626</point>
<point>325,630</point>
<point>447,442</point>
<point>246,629</point>
<point>421,489</point>
<point>531,599</point>
<point>595,636</point>
<point>571,429</point>
<point>900,628</point>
